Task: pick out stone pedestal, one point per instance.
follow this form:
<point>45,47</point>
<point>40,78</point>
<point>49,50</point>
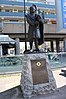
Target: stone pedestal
<point>37,77</point>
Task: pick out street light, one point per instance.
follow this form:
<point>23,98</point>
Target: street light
<point>25,28</point>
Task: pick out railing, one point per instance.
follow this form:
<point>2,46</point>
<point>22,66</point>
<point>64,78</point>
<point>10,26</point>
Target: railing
<point>12,14</point>
<point>10,61</point>
<point>21,3</point>
<point>57,60</point>
<point>41,1</point>
<point>9,64</point>
<point>21,14</point>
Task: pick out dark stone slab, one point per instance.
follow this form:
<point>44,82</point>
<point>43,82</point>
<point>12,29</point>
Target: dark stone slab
<point>39,71</point>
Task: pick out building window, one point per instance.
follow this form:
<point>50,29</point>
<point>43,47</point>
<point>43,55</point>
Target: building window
<point>6,10</point>
<point>11,10</point>
<point>0,10</point>
<point>20,10</point>
<point>13,20</point>
<point>15,10</point>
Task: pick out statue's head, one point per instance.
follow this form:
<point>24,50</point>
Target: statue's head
<point>32,9</point>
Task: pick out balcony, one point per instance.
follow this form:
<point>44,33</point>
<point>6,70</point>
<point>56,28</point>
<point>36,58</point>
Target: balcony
<point>16,3</point>
<point>50,16</point>
<point>19,14</point>
<point>43,5</point>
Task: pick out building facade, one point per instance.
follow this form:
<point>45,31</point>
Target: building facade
<point>12,21</point>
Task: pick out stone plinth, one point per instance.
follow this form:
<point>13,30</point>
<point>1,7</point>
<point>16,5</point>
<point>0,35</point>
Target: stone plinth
<point>37,77</point>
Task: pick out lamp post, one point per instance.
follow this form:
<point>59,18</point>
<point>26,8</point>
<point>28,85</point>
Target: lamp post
<point>25,28</point>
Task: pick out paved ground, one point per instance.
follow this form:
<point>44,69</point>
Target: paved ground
<point>60,78</point>
<point>9,81</point>
<point>15,93</point>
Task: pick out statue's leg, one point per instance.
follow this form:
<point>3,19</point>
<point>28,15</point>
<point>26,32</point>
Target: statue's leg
<point>31,43</point>
<point>36,44</point>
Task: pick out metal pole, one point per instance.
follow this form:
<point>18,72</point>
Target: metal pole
<point>25,28</point>
<point>43,17</point>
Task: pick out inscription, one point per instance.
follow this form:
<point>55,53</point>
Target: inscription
<point>39,71</point>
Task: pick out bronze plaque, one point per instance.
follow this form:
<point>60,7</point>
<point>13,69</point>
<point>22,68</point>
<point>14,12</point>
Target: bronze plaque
<point>39,71</point>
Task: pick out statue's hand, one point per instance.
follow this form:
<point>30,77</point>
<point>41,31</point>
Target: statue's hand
<point>36,22</point>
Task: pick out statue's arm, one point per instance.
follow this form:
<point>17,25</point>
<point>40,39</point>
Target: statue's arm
<point>40,19</point>
<point>31,22</point>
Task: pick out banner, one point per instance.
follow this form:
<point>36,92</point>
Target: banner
<point>63,5</point>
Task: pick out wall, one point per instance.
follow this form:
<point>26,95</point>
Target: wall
<point>50,28</point>
<point>19,28</point>
<point>13,28</point>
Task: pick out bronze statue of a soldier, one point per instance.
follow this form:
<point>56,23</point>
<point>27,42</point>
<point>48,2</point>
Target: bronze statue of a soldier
<point>34,31</point>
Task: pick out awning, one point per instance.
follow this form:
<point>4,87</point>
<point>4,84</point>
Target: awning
<point>5,39</point>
